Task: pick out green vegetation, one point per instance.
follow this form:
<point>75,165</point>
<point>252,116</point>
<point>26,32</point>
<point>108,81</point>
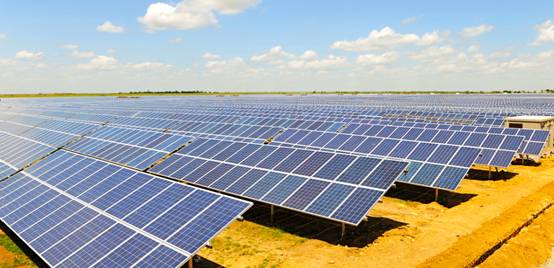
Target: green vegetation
<point>20,259</point>
<point>219,93</point>
<point>9,245</point>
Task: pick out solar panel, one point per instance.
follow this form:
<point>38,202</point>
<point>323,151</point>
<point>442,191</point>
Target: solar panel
<point>19,151</point>
<point>71,215</point>
<point>129,147</point>
<point>287,177</point>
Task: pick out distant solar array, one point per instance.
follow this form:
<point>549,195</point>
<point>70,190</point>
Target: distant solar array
<point>96,181</point>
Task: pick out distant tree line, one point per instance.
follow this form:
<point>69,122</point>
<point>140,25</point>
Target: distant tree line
<point>165,92</point>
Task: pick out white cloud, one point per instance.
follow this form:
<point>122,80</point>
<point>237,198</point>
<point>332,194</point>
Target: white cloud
<point>100,63</point>
<point>330,61</point>
<point>74,48</point>
<point>546,32</point>
<point>3,36</point>
<point>107,63</point>
<point>230,6</point>
<point>473,48</point>
<point>432,38</point>
<point>409,20</point>
<point>108,27</point>
<point>211,56</point>
<point>149,66</point>
<point>371,59</point>
<point>274,53</point>
<point>190,14</point>
<point>309,55</point>
<point>309,59</point>
<point>433,53</point>
<point>28,55</point>
<point>82,54</point>
<point>387,37</point>
<point>470,32</point>
<point>7,62</point>
<point>220,65</point>
<point>546,54</point>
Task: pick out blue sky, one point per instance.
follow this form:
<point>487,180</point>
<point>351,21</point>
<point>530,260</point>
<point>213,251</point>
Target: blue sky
<point>257,45</point>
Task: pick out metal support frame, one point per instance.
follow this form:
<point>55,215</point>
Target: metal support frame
<point>190,264</point>
<point>342,230</point>
<point>271,214</point>
<point>436,195</point>
<point>490,175</point>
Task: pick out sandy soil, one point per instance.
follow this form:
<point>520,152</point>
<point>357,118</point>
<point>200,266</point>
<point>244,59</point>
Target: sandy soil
<point>407,229</point>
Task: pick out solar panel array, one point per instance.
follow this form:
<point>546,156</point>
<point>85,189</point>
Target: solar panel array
<point>336,186</point>
<point>95,181</point>
<point>75,211</point>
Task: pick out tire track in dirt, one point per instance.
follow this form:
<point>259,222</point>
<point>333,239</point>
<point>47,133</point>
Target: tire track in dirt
<point>474,248</point>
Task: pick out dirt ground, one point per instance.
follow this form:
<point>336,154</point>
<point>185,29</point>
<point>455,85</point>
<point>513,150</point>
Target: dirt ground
<point>409,229</point>
<point>503,222</point>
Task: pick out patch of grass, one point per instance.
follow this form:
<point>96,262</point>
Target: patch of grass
<point>9,245</point>
<point>22,260</point>
<point>227,245</point>
<point>276,232</point>
<point>264,263</point>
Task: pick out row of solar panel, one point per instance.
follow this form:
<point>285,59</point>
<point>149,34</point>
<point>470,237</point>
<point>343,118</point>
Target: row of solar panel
<point>303,180</point>
<point>20,152</point>
<point>489,157</point>
<point>445,154</point>
<point>495,158</point>
<point>410,133</point>
<point>360,129</point>
<point>444,180</point>
<point>134,157</point>
<point>75,211</point>
<point>143,158</point>
<point>533,148</point>
<point>534,136</point>
<point>357,111</point>
<point>149,139</point>
<point>128,155</point>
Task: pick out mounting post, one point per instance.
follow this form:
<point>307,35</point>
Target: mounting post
<point>190,263</point>
<point>489,172</point>
<point>342,230</point>
<point>271,214</point>
<point>436,195</point>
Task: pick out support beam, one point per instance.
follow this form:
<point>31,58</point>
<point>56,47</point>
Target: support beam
<point>436,195</point>
<point>490,172</point>
<point>190,264</point>
<point>342,230</point>
<point>272,213</point>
